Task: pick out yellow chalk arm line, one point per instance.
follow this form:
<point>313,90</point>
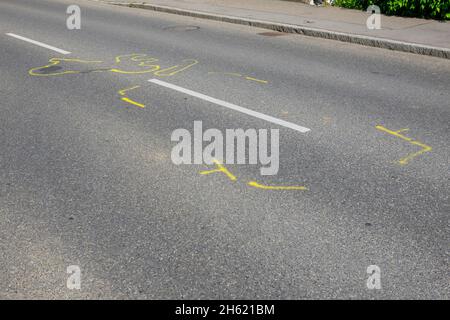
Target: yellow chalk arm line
<point>264,187</point>
<point>140,105</point>
<point>128,100</point>
<point>425,148</point>
<point>240,75</point>
<point>227,74</point>
<point>257,80</point>
<point>122,92</point>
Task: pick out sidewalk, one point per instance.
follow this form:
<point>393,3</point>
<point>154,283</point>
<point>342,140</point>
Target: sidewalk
<point>420,36</point>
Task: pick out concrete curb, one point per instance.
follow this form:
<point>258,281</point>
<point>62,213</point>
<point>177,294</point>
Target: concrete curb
<point>307,31</point>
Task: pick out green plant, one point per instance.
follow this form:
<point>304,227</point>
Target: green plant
<point>435,9</point>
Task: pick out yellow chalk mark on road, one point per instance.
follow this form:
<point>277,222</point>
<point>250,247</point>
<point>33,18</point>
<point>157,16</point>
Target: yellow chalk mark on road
<point>153,69</point>
<point>132,56</point>
<point>140,105</point>
<point>257,80</point>
<point>136,57</point>
<point>145,64</point>
<point>176,69</point>
<point>55,62</point>
<point>143,59</point>
<point>122,92</point>
<point>227,73</point>
<point>220,168</point>
<point>134,72</point>
<point>405,160</point>
<point>128,100</point>
<point>241,76</point>
<point>265,187</point>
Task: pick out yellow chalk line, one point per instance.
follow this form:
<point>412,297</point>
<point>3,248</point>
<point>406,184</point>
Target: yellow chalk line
<point>405,160</point>
<point>176,69</point>
<point>142,59</point>
<point>55,62</point>
<point>240,75</point>
<point>264,187</point>
<point>227,74</point>
<point>220,168</point>
<point>257,80</point>
<point>122,92</point>
<point>133,102</point>
<point>128,100</point>
<point>232,177</point>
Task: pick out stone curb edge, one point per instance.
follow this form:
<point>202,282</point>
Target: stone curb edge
<point>307,31</point>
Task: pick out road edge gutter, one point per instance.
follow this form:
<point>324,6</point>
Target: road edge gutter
<point>307,31</point>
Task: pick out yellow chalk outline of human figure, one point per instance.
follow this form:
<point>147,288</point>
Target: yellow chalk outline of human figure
<point>143,59</point>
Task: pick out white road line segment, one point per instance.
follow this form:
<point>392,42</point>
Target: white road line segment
<point>231,106</point>
<point>40,44</point>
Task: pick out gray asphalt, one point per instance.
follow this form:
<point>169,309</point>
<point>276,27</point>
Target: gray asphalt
<point>87,179</point>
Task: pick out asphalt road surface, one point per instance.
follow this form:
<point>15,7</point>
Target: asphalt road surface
<point>86,176</point>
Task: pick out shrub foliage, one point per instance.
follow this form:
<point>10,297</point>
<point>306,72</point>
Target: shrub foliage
<point>435,9</point>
